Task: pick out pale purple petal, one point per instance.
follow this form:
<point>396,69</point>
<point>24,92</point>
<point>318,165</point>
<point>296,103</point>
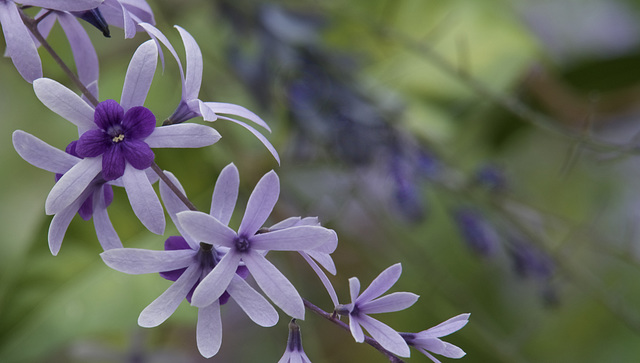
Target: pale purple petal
<point>225,194</point>
<point>72,184</point>
<point>274,284</point>
<point>137,261</point>
<point>260,204</point>
<point>293,239</point>
<point>193,75</point>
<point>323,277</point>
<point>143,199</point>
<point>445,328</point>
<point>216,282</point>
<point>183,136</point>
<point>60,223</point>
<point>287,223</point>
<point>162,307</point>
<point>20,45</point>
<point>232,109</point>
<point>381,284</point>
<point>64,5</point>
<point>139,76</point>
<point>324,260</point>
<point>354,289</point>
<point>390,339</point>
<point>209,330</point>
<point>356,329</point>
<point>252,303</point>
<point>104,229</point>
<point>389,303</point>
<point>433,359</point>
<point>204,228</point>
<point>44,25</point>
<point>157,35</point>
<point>174,205</point>
<point>65,103</point>
<point>42,155</point>
<point>84,54</point>
<point>255,133</point>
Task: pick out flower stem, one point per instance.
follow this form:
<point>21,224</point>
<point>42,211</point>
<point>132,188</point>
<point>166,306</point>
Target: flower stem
<point>173,187</point>
<point>367,339</point>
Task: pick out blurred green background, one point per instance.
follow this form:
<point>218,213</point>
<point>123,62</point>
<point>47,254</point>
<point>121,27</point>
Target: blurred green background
<point>353,91</point>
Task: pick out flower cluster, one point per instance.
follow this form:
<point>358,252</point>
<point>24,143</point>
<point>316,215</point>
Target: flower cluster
<point>209,262</point>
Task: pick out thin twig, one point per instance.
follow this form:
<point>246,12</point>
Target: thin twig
<point>372,342</point>
<point>173,187</point>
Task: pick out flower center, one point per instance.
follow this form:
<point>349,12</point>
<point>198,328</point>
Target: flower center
<point>118,138</point>
<point>242,244</point>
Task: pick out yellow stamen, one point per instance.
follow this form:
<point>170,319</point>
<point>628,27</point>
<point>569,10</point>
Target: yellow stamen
<point>118,138</point>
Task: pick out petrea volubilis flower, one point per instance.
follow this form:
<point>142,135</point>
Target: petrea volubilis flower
<point>369,302</point>
<point>294,352</point>
<point>190,105</point>
<point>92,202</point>
<point>479,234</point>
<point>429,340</point>
<point>21,47</point>
<point>116,139</point>
<point>248,247</point>
<point>186,262</point>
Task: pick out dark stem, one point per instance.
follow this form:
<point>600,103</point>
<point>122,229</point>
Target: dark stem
<point>173,187</point>
<point>367,339</point>
<point>32,25</point>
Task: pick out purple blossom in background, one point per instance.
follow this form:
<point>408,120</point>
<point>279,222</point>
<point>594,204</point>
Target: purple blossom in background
<point>250,248</point>
<point>190,105</point>
<point>21,47</point>
<point>479,234</point>
<point>294,352</point>
<point>369,302</point>
<point>92,202</point>
<point>187,263</point>
<point>429,340</point>
<point>115,139</point>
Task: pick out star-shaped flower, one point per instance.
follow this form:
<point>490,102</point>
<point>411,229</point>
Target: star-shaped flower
<point>369,302</point>
<point>429,340</point>
<point>249,246</point>
<point>115,139</point>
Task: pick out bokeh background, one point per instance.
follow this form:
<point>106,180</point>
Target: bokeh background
<point>490,146</point>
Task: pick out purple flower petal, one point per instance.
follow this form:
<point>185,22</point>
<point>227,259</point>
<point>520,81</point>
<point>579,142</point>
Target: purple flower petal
<point>293,239</point>
<point>137,261</point>
<point>20,45</point>
<point>60,223</point>
<point>323,259</point>
<point>209,330</point>
<point>138,154</point>
<point>356,329</point>
<point>255,133</point>
<point>183,136</point>
<point>138,122</point>
<point>162,307</point>
<point>174,205</point>
<point>113,162</point>
<point>42,155</point>
<point>143,199</point>
<point>225,194</point>
<point>260,204</point>
<point>71,185</point>
<point>108,113</point>
<point>252,303</point>
<point>354,289</point>
<point>86,209</point>
<point>84,54</point>
<point>381,284</point>
<point>93,143</point>
<point>65,103</point>
<point>158,36</point>
<point>64,5</point>
<point>137,81</point>
<point>390,339</point>
<point>323,278</point>
<point>216,282</point>
<point>389,303</point>
<point>445,328</point>
<point>193,76</point>
<point>104,229</point>
<point>231,109</point>
<point>204,228</point>
<point>274,284</point>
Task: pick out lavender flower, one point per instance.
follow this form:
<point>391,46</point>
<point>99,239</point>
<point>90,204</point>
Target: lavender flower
<point>428,340</point>
<point>248,247</point>
<point>187,263</point>
<point>21,47</point>
<point>115,139</point>
<point>190,106</point>
<point>479,234</point>
<point>294,352</point>
<point>92,202</point>
<point>369,302</point>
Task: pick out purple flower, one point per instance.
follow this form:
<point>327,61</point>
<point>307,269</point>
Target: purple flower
<point>190,106</point>
<point>479,234</point>
<point>249,247</point>
<point>115,139</point>
<point>187,263</point>
<point>428,340</point>
<point>369,302</point>
<point>92,202</point>
<point>21,47</point>
<point>294,352</point>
